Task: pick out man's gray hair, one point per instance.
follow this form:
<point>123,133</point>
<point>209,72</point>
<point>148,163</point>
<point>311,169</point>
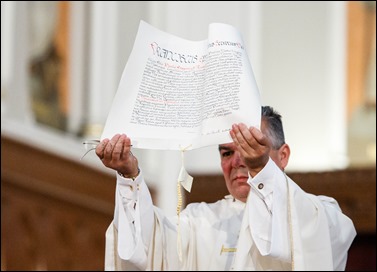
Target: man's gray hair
<point>274,126</point>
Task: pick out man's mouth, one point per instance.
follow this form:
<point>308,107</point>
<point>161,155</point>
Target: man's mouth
<point>241,178</point>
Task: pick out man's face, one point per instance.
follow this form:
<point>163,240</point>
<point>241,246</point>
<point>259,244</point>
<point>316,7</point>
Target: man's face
<point>234,171</point>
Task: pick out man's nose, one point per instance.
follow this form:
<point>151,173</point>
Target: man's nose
<point>237,160</point>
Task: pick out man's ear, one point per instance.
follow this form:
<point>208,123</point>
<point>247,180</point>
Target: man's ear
<point>284,153</point>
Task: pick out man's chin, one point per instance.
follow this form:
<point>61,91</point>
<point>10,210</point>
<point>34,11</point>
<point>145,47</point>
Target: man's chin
<point>243,190</point>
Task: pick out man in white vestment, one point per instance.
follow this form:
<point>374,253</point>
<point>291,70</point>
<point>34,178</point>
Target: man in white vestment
<point>267,222</point>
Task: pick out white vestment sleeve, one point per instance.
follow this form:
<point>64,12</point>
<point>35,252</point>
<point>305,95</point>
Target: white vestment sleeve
<point>342,232</point>
<point>133,220</point>
<point>267,205</point>
<point>320,232</point>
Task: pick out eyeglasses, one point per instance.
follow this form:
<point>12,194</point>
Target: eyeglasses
<point>89,145</point>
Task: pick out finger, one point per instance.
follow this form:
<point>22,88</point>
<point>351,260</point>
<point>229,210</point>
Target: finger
<point>110,146</point>
<point>126,146</point>
<point>100,149</point>
<point>261,138</point>
<point>253,136</point>
<point>238,138</point>
<point>118,148</point>
<point>232,133</point>
<point>248,137</point>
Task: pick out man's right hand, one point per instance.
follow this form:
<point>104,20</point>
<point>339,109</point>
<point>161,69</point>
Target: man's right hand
<point>116,154</point>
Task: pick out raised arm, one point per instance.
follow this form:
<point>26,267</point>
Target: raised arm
<point>285,222</point>
<point>128,236</point>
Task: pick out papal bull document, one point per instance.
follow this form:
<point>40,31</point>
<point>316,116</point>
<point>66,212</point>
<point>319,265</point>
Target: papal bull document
<point>179,94</point>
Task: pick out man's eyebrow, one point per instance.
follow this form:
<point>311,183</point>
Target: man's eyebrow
<point>221,147</point>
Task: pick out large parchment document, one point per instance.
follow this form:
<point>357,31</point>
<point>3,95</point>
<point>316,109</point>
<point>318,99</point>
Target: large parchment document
<point>178,94</point>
